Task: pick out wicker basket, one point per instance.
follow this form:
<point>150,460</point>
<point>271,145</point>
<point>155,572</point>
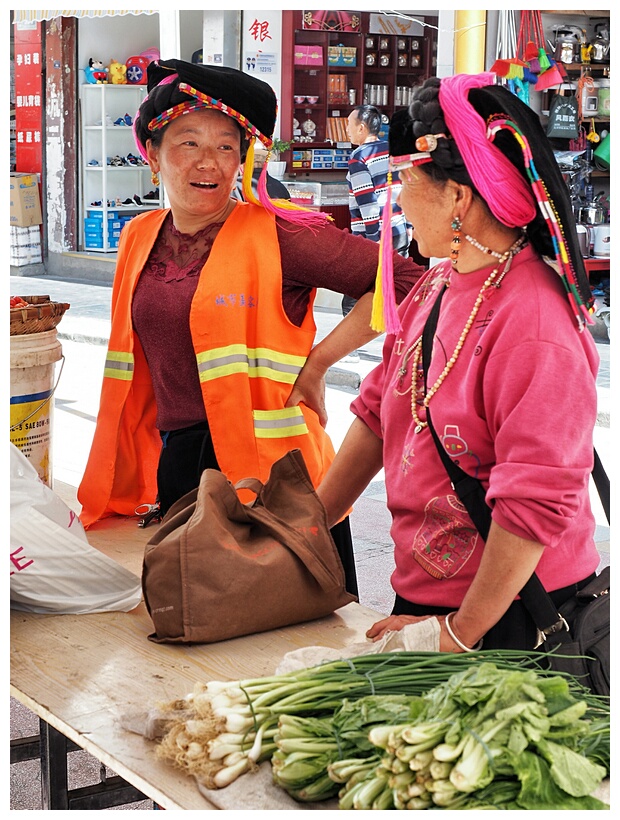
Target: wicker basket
<point>40,315</point>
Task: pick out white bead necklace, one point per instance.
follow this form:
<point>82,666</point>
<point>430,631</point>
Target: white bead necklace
<point>504,258</point>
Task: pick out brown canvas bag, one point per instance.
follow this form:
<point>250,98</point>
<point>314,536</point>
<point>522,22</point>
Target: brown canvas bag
<point>217,568</point>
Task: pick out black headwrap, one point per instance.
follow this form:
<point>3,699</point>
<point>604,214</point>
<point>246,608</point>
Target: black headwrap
<point>248,100</point>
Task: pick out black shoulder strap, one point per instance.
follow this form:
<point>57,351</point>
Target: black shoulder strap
<point>472,495</point>
<point>467,488</point>
<point>601,480</point>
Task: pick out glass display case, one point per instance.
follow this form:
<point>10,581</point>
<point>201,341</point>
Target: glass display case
<point>307,194</point>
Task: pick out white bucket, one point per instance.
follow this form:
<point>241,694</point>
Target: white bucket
<point>33,356</point>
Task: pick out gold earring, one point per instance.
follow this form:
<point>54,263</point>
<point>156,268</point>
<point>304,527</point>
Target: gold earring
<point>155,179</point>
<point>455,245</point>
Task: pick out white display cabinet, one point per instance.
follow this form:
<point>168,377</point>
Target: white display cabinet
<point>111,193</point>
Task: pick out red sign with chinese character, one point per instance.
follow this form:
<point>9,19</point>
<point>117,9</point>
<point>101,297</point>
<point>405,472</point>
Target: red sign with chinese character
<point>259,30</point>
<point>28,99</point>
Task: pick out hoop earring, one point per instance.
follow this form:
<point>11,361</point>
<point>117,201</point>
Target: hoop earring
<point>455,245</point>
<point>154,179</point>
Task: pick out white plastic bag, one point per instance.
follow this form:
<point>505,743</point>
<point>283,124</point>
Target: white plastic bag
<point>53,567</point>
<point>422,636</point>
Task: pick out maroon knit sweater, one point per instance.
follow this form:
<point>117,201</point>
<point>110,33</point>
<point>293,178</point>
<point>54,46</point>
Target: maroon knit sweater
<point>332,258</point>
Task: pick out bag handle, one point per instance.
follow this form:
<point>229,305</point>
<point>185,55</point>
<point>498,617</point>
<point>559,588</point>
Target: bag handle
<point>471,493</point>
<point>297,544</point>
<point>295,541</point>
<point>253,484</point>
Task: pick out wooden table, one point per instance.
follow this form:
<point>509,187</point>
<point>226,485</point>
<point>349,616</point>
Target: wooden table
<point>80,673</point>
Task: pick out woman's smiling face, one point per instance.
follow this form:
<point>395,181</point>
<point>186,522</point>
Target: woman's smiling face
<point>198,160</point>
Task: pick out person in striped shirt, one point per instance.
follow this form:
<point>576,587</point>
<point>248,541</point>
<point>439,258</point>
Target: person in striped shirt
<point>367,180</point>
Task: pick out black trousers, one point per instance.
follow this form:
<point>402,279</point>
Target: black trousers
<point>186,453</point>
<point>514,630</point>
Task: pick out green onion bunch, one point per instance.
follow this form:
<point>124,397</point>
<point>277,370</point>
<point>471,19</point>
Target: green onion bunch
<point>225,729</point>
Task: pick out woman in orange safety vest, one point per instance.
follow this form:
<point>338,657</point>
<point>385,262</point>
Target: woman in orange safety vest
<point>211,360</point>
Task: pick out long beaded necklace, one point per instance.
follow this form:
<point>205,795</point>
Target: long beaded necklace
<point>492,280</point>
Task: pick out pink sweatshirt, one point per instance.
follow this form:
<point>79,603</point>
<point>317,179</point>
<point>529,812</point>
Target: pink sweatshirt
<point>517,411</point>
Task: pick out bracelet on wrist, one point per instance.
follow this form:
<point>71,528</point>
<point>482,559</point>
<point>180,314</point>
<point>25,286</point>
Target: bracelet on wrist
<point>456,640</point>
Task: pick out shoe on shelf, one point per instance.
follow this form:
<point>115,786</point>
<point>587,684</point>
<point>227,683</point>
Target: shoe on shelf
<point>127,202</point>
<point>137,199</point>
<point>93,162</point>
<point>351,358</point>
<point>151,195</point>
<point>128,120</point>
<point>117,161</point>
<point>120,121</point>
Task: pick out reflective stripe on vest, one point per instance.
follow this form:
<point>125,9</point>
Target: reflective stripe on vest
<point>279,423</point>
<point>119,365</point>
<point>257,363</point>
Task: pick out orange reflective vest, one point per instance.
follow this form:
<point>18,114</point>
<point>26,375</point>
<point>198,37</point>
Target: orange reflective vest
<point>248,355</point>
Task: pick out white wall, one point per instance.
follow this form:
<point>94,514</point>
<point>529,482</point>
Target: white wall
<point>261,41</point>
<point>115,38</point>
<point>119,38</point>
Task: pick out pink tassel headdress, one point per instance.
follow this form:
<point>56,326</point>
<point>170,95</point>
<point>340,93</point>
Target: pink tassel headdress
<point>384,316</point>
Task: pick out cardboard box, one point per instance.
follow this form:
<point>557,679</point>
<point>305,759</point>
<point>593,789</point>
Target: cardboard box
<point>25,200</point>
<point>308,55</point>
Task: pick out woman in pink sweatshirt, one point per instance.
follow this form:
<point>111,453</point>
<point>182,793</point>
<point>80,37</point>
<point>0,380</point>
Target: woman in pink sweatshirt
<point>511,383</point>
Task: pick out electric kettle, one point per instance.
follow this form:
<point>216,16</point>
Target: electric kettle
<point>600,44</point>
<point>592,213</point>
<point>567,46</point>
<point>583,237</point>
<point>600,240</point>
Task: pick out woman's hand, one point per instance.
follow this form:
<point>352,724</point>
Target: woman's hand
<point>309,389</point>
<point>394,623</point>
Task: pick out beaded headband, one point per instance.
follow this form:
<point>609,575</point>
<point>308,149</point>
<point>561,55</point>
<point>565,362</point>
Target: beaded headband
<point>565,269</point>
<point>205,101</point>
<point>513,199</point>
